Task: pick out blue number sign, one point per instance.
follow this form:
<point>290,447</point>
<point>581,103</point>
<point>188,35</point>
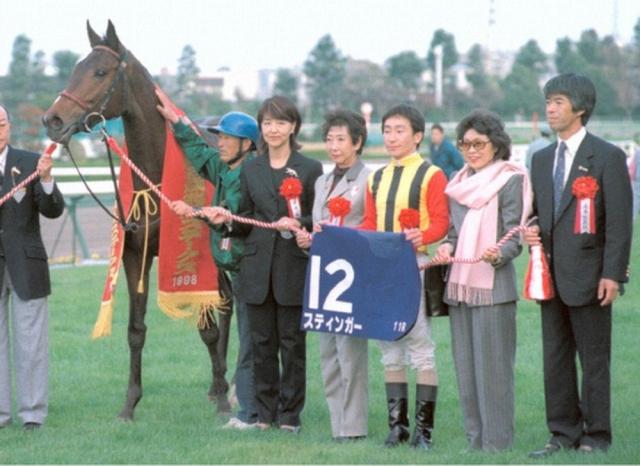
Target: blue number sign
<point>361,283</point>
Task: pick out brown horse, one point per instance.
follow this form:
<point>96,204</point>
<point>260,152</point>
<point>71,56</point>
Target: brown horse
<point>111,82</point>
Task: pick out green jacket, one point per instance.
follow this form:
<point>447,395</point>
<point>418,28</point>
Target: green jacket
<point>206,161</point>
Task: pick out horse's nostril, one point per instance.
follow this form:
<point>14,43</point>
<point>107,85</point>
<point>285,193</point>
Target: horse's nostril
<point>54,122</point>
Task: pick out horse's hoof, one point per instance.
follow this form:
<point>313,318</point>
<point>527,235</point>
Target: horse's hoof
<point>222,406</point>
<point>125,417</point>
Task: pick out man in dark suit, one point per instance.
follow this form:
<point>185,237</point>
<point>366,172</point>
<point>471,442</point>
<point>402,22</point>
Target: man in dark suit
<point>583,203</point>
<point>24,279</point>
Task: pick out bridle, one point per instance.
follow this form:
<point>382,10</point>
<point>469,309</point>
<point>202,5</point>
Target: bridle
<point>99,108</point>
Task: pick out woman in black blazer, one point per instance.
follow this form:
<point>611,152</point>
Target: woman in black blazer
<point>272,268</point>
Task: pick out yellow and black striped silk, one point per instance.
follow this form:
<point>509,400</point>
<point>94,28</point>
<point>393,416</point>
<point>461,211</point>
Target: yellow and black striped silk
<point>400,185</point>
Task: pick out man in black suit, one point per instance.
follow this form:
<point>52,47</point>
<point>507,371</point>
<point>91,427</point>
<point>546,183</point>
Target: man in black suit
<point>583,203</point>
<point>24,279</point>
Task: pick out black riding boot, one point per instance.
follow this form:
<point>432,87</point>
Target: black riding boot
<point>398,420</point>
<point>425,413</point>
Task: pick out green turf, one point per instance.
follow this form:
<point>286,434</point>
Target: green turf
<point>174,422</point>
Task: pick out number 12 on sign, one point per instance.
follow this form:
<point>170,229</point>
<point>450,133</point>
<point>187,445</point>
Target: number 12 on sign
<point>332,301</point>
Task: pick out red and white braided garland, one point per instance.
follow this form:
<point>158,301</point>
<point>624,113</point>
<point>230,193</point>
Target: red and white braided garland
<point>28,179</point>
<point>272,225</point>
<point>474,260</point>
<point>249,221</point>
<point>116,148</point>
<point>260,224</point>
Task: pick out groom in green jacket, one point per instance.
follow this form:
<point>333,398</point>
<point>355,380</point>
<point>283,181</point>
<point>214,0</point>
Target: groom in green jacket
<point>237,135</point>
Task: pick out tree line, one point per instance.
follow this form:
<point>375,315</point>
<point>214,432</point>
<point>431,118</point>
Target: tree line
<point>331,79</point>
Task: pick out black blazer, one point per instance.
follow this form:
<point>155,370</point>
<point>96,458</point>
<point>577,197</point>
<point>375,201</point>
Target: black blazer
<point>21,249</point>
<point>268,259</point>
<point>579,261</point>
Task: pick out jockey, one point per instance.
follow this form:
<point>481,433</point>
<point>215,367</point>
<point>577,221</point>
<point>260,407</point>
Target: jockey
<point>237,137</point>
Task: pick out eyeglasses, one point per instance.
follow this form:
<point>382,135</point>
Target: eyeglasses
<point>477,145</point>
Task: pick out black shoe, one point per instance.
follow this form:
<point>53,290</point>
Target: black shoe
<point>349,438</point>
<point>31,426</point>
<point>588,449</point>
<point>548,450</point>
<point>290,429</point>
<point>425,414</point>
<point>399,434</point>
<point>398,420</point>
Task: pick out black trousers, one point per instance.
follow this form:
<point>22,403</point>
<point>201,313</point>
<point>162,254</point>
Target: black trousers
<point>575,418</point>
<point>280,382</point>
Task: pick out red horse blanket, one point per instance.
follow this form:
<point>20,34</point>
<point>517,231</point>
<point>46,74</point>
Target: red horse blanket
<point>187,275</point>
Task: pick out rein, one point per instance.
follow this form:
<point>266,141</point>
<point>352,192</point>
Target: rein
<point>120,218</point>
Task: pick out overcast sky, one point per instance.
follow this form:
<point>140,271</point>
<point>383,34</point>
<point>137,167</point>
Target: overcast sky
<point>280,33</point>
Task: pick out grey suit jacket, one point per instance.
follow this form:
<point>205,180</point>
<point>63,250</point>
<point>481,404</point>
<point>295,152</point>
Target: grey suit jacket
<point>509,214</point>
<point>352,187</point>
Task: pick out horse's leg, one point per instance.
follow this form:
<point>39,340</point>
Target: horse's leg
<point>216,338</point>
<point>137,329</point>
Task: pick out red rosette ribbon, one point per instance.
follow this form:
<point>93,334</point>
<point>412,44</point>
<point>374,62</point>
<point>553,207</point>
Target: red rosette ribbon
<point>409,218</point>
<point>584,188</point>
<point>291,189</point>
<point>339,208</point>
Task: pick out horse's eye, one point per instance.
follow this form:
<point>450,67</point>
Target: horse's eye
<point>100,73</point>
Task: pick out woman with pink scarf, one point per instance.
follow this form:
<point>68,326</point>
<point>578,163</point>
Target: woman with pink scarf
<point>487,197</point>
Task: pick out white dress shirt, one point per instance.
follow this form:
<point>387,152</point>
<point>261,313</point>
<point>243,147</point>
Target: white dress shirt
<point>3,157</point>
<point>573,143</point>
<point>47,186</point>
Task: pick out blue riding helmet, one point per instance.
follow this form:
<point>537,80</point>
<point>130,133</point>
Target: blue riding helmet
<point>237,124</point>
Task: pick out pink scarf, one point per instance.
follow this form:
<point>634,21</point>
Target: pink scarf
<point>473,283</point>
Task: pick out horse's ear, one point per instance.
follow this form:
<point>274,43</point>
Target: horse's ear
<point>94,39</point>
<point>112,38</point>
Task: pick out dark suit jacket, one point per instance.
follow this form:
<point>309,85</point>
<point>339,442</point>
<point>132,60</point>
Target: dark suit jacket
<point>579,261</point>
<point>268,260</point>
<point>21,249</point>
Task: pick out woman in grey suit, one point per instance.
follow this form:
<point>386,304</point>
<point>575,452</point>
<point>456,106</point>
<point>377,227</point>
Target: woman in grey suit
<point>487,198</point>
<point>343,359</point>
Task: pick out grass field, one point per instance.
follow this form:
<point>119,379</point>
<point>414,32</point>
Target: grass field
<point>176,424</point>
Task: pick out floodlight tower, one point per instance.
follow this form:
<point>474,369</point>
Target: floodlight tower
<point>616,35</point>
<point>492,22</point>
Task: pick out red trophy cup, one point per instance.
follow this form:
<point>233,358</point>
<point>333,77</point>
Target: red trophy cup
<point>538,284</point>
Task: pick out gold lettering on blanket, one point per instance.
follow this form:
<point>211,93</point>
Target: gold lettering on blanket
<point>190,229</point>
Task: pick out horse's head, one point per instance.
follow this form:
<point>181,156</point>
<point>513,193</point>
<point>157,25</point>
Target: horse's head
<point>96,87</point>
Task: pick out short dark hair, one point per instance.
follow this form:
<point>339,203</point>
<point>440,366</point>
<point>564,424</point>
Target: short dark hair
<point>6,110</point>
<point>437,126</point>
<point>354,123</point>
<point>280,108</point>
<point>490,125</point>
<point>410,113</point>
<point>578,89</point>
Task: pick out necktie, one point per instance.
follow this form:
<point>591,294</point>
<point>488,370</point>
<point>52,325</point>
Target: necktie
<point>558,178</point>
